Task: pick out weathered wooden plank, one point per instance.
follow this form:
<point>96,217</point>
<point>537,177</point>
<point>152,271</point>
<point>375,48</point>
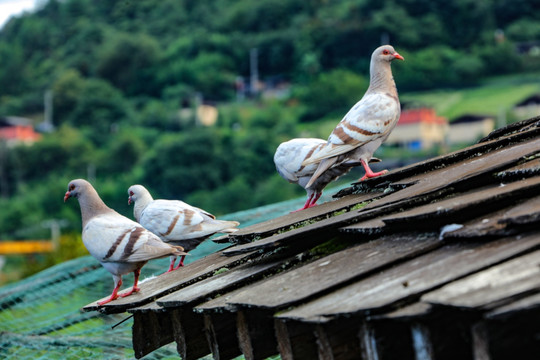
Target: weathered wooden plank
<point>221,334</point>
<point>169,282</point>
<point>528,304</point>
<point>413,278</point>
<point>492,287</point>
<point>217,283</point>
<point>296,340</point>
<point>307,235</point>
<point>333,270</point>
<point>273,226</point>
<point>463,207</point>
<point>526,169</point>
<point>368,227</point>
<point>407,313</point>
<point>151,330</point>
<point>507,221</point>
<point>518,128</point>
<point>256,334</point>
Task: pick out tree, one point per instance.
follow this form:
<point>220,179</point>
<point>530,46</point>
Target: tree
<point>129,61</point>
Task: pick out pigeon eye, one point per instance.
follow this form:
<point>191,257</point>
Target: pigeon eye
<point>131,193</point>
<point>71,187</point>
<point>386,52</point>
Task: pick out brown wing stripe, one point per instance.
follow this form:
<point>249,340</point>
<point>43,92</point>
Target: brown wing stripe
<point>359,130</point>
<point>172,225</point>
<point>133,237</point>
<point>188,216</point>
<point>115,245</point>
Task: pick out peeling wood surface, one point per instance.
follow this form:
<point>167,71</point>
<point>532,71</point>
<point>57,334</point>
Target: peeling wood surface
<point>331,271</point>
<point>285,222</point>
<point>412,278</point>
<point>503,222</point>
<point>529,304</point>
<point>462,207</point>
<point>212,285</point>
<point>492,287</point>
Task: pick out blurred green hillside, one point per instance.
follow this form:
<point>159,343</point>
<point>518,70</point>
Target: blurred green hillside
<point>127,76</point>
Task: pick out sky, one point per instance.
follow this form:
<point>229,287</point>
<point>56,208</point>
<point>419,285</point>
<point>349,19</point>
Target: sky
<point>9,8</point>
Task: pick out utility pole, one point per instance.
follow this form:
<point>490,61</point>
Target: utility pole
<point>47,125</point>
<point>4,185</point>
<point>254,71</point>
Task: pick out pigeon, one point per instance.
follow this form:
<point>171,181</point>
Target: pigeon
<point>288,160</point>
<point>176,222</point>
<point>118,243</point>
<point>367,124</point>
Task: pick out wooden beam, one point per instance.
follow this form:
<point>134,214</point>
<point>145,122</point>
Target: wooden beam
<point>221,334</point>
<point>339,340</point>
<point>386,340</point>
<point>256,334</point>
<point>296,340</point>
<point>151,330</point>
<point>189,334</point>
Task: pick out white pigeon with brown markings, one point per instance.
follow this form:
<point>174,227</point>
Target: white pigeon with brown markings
<point>176,222</point>
<point>120,244</point>
<point>367,124</point>
<point>288,160</point>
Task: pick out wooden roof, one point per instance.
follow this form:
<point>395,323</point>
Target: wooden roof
<point>439,259</point>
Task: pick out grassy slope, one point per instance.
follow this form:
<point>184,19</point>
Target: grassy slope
<point>490,98</point>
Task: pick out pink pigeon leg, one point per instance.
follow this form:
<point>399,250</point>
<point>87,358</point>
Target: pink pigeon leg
<point>312,203</point>
<point>114,295</point>
<point>369,173</point>
<point>181,263</point>
<point>306,205</point>
<point>134,289</point>
<point>171,266</point>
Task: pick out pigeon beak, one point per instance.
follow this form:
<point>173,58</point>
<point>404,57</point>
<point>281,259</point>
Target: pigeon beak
<point>67,196</point>
<point>397,56</point>
<point>129,200</point>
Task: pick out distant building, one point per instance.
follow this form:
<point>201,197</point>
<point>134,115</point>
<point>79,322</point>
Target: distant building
<point>528,107</point>
<point>469,128</point>
<point>419,129</point>
<point>15,130</point>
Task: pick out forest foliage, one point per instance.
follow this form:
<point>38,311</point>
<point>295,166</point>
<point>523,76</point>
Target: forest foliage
<point>121,71</point>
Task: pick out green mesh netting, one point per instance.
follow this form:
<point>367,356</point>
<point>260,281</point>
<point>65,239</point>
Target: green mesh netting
<point>41,317</point>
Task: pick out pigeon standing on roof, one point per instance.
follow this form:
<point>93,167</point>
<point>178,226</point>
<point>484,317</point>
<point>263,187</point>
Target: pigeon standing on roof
<point>367,124</point>
<point>288,160</point>
<point>175,222</point>
<point>118,243</point>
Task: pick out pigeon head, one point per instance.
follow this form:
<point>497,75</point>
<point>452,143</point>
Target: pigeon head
<point>75,187</point>
<point>386,53</point>
<point>135,192</point>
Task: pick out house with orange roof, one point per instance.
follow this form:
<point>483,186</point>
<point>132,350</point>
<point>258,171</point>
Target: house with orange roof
<point>15,130</point>
<point>418,129</point>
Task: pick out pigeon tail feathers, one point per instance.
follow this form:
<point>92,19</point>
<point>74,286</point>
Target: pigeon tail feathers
<point>323,166</point>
